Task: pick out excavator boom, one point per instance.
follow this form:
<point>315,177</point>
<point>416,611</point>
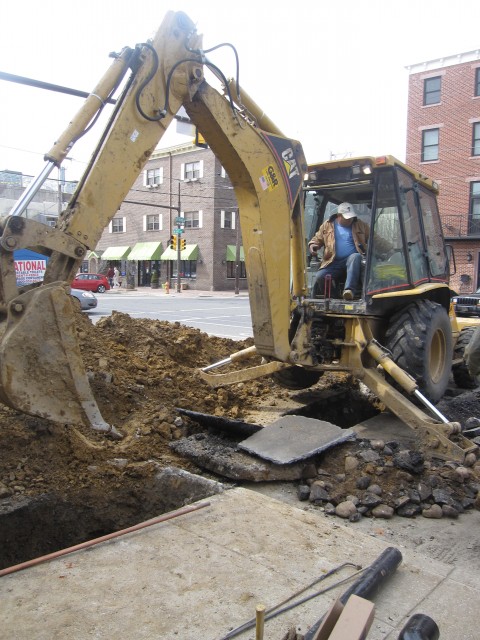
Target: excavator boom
<point>37,329</point>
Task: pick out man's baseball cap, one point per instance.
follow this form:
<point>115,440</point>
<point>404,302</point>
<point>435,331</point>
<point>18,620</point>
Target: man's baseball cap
<point>346,210</point>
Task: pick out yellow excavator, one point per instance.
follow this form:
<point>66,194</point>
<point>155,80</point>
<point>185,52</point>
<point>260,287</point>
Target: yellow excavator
<point>298,335</point>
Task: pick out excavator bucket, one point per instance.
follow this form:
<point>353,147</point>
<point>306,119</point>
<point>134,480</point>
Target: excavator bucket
<point>41,367</point>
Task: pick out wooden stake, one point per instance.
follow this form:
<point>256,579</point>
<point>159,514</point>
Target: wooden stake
<point>260,621</point>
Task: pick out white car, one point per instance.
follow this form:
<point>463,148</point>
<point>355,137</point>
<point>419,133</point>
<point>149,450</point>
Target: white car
<point>86,299</point>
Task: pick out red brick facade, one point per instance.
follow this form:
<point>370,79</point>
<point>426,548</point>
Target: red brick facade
<point>453,111</point>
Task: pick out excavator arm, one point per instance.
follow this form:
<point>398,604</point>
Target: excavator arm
<point>37,329</point>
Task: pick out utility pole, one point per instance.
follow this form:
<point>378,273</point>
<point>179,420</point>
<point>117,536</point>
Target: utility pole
<point>61,182</point>
<point>179,245</point>
<point>237,253</point>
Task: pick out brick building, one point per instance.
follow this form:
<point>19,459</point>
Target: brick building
<point>186,182</point>
<point>443,141</point>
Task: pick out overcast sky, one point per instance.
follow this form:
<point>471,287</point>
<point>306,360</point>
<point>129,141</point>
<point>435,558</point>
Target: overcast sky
<point>331,75</point>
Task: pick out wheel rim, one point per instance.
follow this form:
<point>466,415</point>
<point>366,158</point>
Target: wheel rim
<point>438,353</point>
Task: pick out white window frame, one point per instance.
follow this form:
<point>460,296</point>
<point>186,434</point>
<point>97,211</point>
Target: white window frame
<point>232,220</point>
<point>152,177</point>
<point>124,225</point>
<point>159,219</point>
<point>200,171</point>
<point>184,214</point>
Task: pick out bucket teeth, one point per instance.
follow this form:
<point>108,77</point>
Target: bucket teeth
<point>41,367</point>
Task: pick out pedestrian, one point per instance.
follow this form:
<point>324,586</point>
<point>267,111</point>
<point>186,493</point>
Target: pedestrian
<point>344,239</point>
<point>116,277</point>
<point>110,274</point>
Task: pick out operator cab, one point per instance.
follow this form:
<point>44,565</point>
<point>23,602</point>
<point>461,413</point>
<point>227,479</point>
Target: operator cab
<point>400,207</point>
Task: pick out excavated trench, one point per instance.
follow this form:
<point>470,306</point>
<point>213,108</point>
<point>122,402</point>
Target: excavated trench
<point>34,526</point>
<point>38,526</point>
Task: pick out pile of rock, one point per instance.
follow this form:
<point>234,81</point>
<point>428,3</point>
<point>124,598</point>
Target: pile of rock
<point>382,479</point>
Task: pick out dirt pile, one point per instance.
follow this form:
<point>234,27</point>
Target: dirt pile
<point>140,372</point>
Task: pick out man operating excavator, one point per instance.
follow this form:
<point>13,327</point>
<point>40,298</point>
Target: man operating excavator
<point>344,238</point>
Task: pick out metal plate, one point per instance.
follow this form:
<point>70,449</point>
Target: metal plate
<point>294,438</point>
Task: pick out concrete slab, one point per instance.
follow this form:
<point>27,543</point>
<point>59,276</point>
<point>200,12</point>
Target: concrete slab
<point>202,574</point>
<point>292,438</point>
<point>385,426</point>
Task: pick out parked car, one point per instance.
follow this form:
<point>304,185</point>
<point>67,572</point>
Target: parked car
<point>467,304</point>
<point>86,299</point>
<point>96,282</point>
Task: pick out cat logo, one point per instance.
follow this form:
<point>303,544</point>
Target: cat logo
<point>290,163</point>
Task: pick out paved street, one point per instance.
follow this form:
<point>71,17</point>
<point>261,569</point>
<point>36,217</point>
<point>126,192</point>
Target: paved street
<point>222,314</point>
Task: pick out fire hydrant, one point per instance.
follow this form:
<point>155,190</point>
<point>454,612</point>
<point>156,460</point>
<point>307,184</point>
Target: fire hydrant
<point>167,287</point>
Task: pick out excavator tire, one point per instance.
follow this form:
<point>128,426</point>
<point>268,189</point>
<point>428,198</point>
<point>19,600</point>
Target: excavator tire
<point>296,378</point>
<point>461,374</point>
<point>420,340</point>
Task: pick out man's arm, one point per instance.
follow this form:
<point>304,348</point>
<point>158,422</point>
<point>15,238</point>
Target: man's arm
<point>317,242</point>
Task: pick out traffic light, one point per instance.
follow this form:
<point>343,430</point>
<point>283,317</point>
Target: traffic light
<point>200,140</point>
<point>183,244</point>
<point>173,241</point>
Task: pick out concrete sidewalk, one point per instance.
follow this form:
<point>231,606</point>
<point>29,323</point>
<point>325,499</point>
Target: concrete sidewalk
<point>202,574</point>
<point>187,293</point>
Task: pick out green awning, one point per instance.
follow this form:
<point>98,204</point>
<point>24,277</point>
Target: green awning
<point>146,251</point>
<point>189,253</point>
<point>115,253</point>
<point>232,253</point>
<point>91,254</point>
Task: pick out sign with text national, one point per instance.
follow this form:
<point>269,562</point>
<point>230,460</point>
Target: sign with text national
<point>29,266</point>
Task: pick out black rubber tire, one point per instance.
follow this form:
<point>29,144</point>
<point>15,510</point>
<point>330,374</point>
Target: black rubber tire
<point>101,288</point>
<point>420,340</point>
<point>296,378</point>
<point>461,375</point>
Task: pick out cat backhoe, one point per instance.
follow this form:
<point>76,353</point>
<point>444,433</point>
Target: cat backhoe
<point>402,315</point>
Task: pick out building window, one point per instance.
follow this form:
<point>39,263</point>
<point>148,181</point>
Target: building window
<point>431,90</point>
<point>476,139</point>
<point>192,170</point>
<point>227,219</point>
<point>193,219</point>
<point>152,222</point>
<point>153,177</point>
<point>231,269</point>
<point>188,269</point>
<point>477,82</point>
<point>474,214</point>
<point>118,225</point>
<point>430,140</point>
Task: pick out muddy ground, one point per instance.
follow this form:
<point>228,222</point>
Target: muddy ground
<point>141,371</point>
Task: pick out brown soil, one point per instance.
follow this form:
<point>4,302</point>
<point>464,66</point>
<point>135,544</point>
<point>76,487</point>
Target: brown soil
<point>140,371</point>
